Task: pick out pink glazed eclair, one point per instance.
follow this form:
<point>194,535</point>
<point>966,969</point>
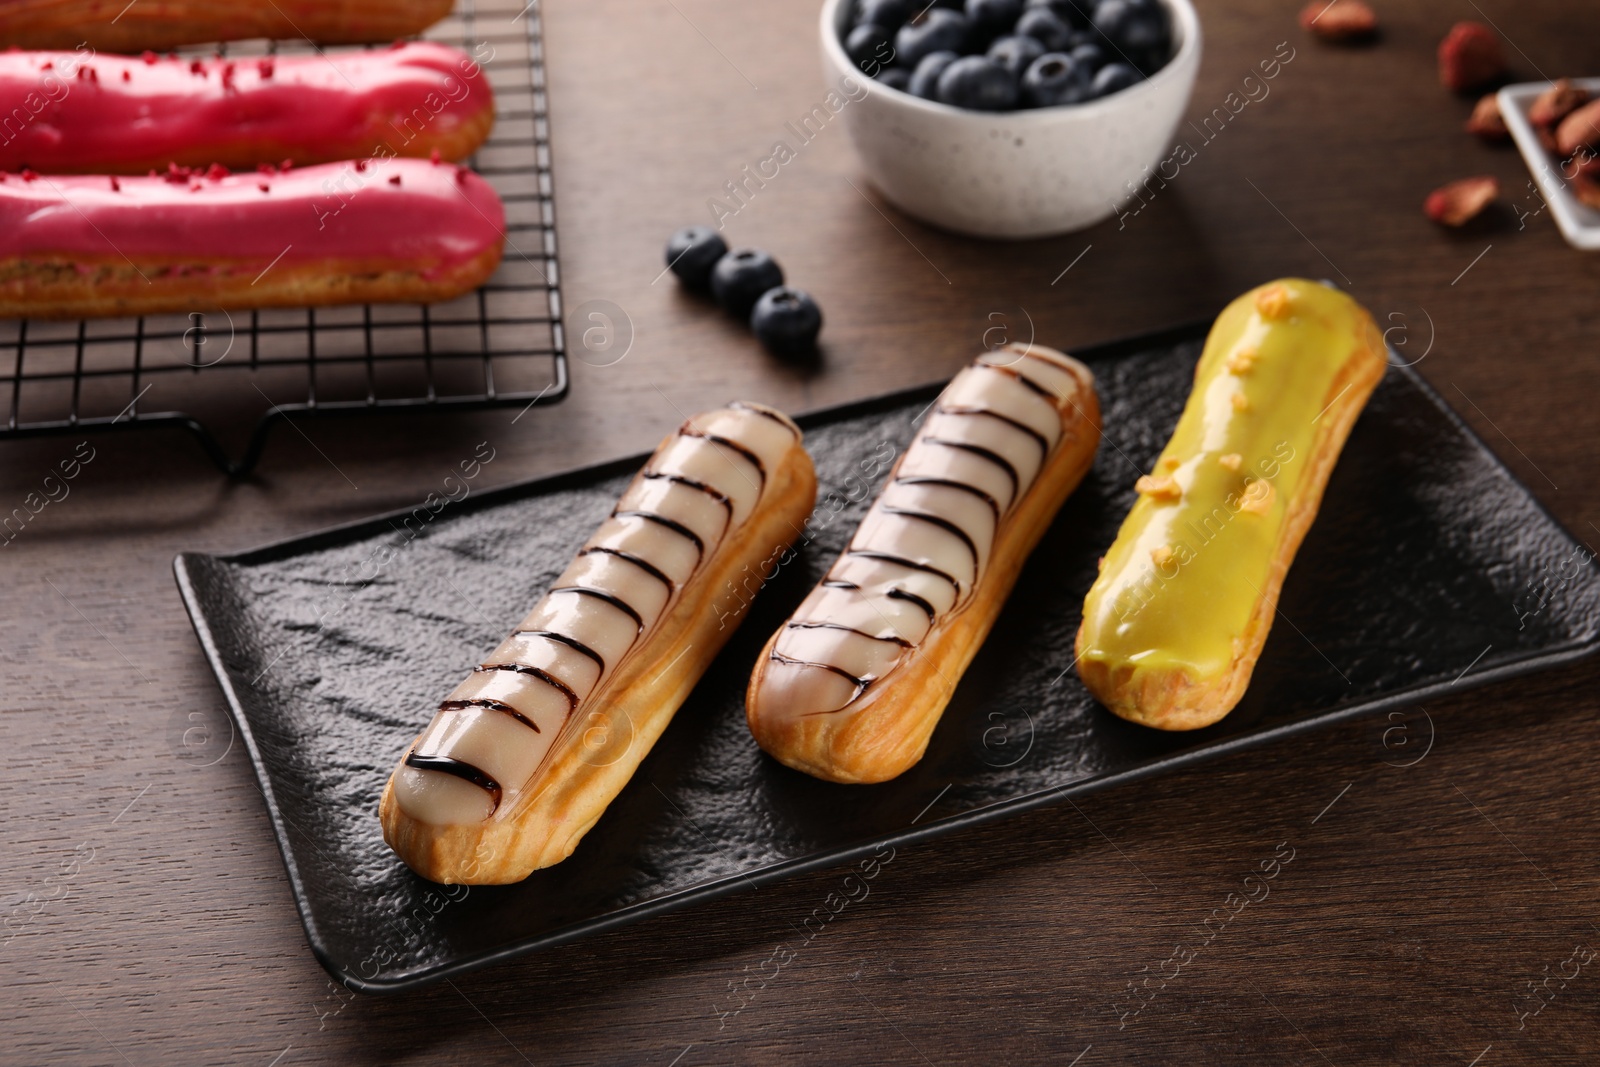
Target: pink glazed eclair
<point>70,113</point>
<point>117,26</point>
<point>369,231</point>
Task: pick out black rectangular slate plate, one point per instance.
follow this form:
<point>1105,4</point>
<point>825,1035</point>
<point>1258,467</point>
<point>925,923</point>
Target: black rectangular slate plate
<point>1430,569</point>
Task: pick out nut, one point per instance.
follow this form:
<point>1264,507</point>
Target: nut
<point>1273,302</point>
<point>1461,201</point>
<point>1579,130</point>
<point>1158,487</point>
<point>1486,120</point>
<point>1470,57</point>
<point>1339,20</point>
<point>1556,103</point>
<point>1587,190</point>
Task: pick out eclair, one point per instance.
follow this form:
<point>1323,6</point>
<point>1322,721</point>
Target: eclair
<point>1186,595</point>
<point>523,757</point>
<point>369,231</point>
<point>163,24</point>
<point>851,687</point>
<point>67,113</point>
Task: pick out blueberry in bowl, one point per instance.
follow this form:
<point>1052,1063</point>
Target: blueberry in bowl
<point>895,78</point>
<point>1075,13</point>
<point>1113,78</point>
<point>890,14</point>
<point>884,36</point>
<point>935,30</point>
<point>869,44</point>
<point>1016,53</point>
<point>1044,26</point>
<point>925,82</point>
<point>977,83</point>
<point>991,18</point>
<point>1056,78</point>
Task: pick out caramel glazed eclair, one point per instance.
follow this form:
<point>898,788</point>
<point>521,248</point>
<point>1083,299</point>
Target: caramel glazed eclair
<point>523,756</point>
<point>850,689</point>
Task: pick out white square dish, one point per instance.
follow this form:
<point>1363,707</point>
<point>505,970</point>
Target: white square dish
<point>1579,223</point>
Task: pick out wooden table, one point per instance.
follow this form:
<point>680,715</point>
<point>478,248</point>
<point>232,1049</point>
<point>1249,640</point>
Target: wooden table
<point>1422,901</point>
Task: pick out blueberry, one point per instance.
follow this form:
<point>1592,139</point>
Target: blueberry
<point>890,14</point>
<point>1090,57</point>
<point>1043,25</point>
<point>938,30</point>
<point>1149,60</point>
<point>741,276</point>
<point>1016,53</point>
<point>868,45</point>
<point>787,321</point>
<point>1055,79</point>
<point>692,252</point>
<point>1131,25</point>
<point>925,82</point>
<point>895,78</point>
<point>978,83</point>
<point>1113,78</point>
<point>994,16</point>
<point>1073,12</point>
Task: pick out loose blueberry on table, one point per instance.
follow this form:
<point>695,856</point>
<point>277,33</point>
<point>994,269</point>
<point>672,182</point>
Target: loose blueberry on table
<point>741,276</point>
<point>787,321</point>
<point>1000,55</point>
<point>692,252</point>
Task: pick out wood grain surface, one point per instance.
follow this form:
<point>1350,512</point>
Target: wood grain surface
<point>1430,906</point>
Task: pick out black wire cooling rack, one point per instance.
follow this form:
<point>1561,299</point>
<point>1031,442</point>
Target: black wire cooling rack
<point>500,346</point>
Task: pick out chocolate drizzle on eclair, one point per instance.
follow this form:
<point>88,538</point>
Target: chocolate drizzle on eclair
<point>926,540</point>
<point>700,485</point>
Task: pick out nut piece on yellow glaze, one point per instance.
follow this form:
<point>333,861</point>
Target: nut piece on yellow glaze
<point>1173,625</point>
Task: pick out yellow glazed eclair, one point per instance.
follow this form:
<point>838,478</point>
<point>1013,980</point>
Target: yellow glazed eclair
<point>852,686</point>
<point>523,756</point>
<point>1173,625</point>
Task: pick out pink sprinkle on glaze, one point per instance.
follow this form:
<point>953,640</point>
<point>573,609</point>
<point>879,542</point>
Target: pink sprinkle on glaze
<point>127,76</point>
<point>395,180</point>
<point>116,186</point>
<point>150,59</point>
<point>264,187</point>
<point>216,172</point>
<point>29,176</point>
<point>433,157</point>
<point>265,67</point>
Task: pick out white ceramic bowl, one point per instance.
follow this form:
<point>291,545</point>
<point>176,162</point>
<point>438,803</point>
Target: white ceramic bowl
<point>1012,174</point>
